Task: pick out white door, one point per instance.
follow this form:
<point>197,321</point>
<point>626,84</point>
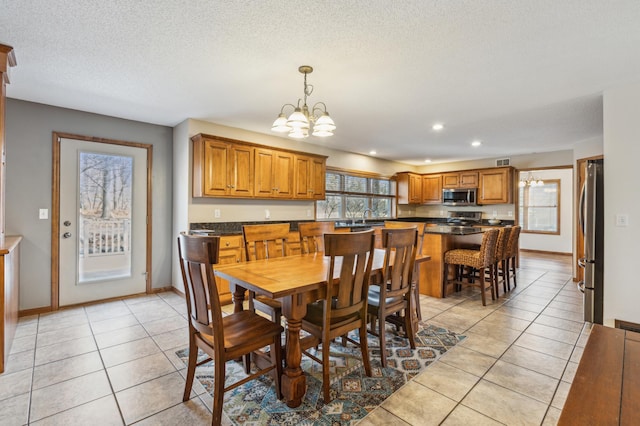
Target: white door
<point>103,221</point>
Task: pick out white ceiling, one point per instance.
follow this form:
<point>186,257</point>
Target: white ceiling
<point>522,76</point>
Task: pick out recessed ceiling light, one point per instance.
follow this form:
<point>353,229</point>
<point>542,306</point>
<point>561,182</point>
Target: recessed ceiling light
<point>372,153</point>
<point>427,160</point>
<point>437,126</point>
<point>476,143</point>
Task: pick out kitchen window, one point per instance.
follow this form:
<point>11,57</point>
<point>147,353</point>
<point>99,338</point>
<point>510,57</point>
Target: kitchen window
<point>540,207</point>
<point>354,196</point>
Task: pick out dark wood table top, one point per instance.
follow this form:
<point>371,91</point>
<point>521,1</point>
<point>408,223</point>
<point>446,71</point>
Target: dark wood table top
<point>606,387</point>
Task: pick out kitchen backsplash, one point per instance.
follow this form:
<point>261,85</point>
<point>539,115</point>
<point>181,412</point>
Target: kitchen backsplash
<point>501,211</point>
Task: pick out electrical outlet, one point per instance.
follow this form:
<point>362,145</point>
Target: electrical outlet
<point>441,212</point>
<point>510,213</point>
<point>308,212</point>
<point>495,213</point>
<point>44,213</point>
<point>216,213</point>
<point>267,214</point>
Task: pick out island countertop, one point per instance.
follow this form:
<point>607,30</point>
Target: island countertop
<point>453,230</point>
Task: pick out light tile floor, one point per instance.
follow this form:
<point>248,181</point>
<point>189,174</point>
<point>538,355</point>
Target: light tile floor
<point>115,363</point>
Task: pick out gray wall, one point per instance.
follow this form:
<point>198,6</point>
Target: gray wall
<point>29,128</point>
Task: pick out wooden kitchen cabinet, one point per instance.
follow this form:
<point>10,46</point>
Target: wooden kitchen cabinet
<point>309,177</point>
<point>465,179</point>
<point>222,169</point>
<point>409,188</point>
<point>225,167</point>
<point>495,185</point>
<point>273,174</point>
<point>231,251</point>
<point>432,189</point>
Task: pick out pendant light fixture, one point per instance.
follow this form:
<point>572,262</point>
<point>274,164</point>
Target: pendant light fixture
<point>303,119</point>
<point>530,181</point>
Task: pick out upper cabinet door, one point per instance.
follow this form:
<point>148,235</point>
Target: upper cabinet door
<point>496,186</point>
<point>468,180</point>
<point>240,172</point>
<point>216,174</point>
<point>264,184</point>
<point>283,174</point>
<point>409,188</point>
<point>309,176</point>
<point>432,189</point>
<point>451,180</point>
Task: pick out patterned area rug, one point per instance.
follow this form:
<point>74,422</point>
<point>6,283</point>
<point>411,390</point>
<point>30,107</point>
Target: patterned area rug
<point>354,394</point>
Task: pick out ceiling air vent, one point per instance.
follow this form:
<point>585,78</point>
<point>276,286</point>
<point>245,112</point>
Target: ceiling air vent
<point>503,162</point>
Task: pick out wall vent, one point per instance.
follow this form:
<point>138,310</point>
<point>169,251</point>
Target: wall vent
<point>503,162</point>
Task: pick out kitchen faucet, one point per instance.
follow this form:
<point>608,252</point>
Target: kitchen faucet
<point>364,215</point>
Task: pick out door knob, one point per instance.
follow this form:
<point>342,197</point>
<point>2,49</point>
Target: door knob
<point>66,235</point>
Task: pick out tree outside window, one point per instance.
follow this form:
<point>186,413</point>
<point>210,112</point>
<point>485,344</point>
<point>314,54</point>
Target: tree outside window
<point>351,196</point>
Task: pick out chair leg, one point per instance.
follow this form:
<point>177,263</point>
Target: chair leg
<point>513,265</point>
<point>416,292</point>
<point>326,386</point>
<point>483,291</point>
<point>276,359</point>
<point>247,363</point>
<point>445,279</point>
<point>364,348</point>
<point>382,339</point>
<point>408,326</point>
<point>191,368</point>
<point>218,390</point>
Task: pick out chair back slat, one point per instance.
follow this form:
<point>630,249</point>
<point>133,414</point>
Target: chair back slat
<point>355,251</point>
<point>197,255</point>
<point>265,241</point>
<point>312,235</point>
<point>401,245</point>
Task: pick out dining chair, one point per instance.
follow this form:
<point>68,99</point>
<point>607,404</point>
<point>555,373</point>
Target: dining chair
<point>481,260</point>
<point>264,242</point>
<point>394,294</point>
<point>312,235</point>
<point>512,256</point>
<point>420,226</point>
<point>221,338</point>
<point>344,307</point>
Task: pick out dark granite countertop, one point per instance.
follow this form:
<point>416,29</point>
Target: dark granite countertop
<point>235,228</point>
<point>453,230</point>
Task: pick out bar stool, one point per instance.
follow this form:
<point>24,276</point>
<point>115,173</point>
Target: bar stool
<point>473,260</point>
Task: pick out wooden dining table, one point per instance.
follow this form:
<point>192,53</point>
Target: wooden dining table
<point>296,281</point>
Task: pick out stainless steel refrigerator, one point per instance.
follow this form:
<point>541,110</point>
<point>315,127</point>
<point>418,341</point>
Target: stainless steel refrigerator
<point>592,223</point>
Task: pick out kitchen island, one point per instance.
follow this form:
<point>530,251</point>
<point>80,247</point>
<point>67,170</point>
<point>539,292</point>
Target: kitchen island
<point>437,241</point>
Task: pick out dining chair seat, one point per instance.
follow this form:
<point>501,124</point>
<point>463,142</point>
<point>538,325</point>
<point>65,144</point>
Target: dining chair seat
<point>374,298</point>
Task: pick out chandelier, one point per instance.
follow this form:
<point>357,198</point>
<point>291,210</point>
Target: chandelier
<point>302,118</point>
<point>530,181</point>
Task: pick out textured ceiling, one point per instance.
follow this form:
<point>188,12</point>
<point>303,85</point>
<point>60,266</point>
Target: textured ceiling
<point>521,76</point>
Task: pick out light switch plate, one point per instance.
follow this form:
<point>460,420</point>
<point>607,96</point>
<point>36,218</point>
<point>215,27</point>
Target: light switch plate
<point>622,220</point>
<point>44,214</point>
<point>216,213</point>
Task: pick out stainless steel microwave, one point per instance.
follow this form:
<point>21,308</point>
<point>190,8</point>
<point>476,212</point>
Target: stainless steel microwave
<point>459,197</point>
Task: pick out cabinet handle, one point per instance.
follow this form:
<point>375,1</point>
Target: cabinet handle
<point>227,243</point>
